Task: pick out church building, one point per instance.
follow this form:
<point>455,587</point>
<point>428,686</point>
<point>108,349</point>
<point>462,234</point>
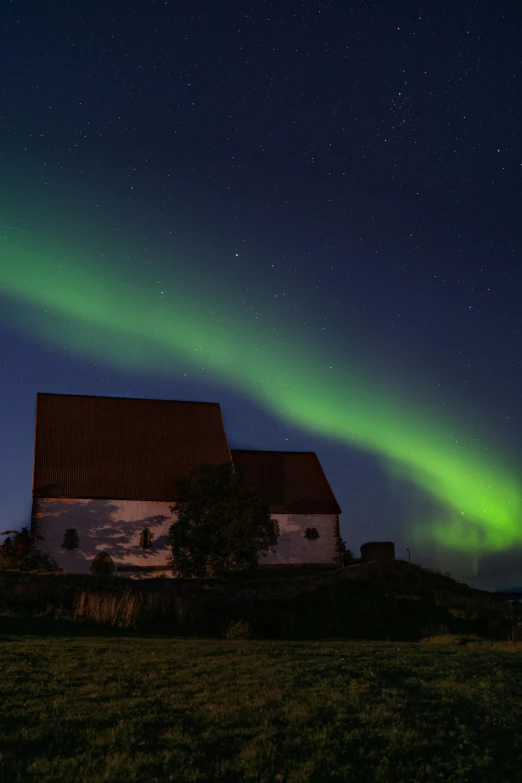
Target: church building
<point>104,484</point>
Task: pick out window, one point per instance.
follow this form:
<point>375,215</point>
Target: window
<point>146,539</point>
<point>71,539</point>
<point>311,533</point>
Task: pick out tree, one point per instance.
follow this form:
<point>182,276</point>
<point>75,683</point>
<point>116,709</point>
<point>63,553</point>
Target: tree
<point>220,523</point>
<point>21,553</point>
<point>347,554</point>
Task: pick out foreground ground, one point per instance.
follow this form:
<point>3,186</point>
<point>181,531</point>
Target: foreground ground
<point>83,709</point>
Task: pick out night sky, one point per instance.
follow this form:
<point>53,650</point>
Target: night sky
<point>309,212</point>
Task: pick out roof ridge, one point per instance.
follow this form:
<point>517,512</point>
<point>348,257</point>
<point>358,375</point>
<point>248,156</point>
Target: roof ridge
<point>274,451</point>
<point>116,397</point>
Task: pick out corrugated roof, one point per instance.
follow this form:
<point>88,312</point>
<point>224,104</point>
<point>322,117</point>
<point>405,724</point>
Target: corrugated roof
<point>291,482</point>
<point>122,448</point>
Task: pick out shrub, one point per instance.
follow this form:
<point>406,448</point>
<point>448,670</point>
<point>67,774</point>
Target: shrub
<point>21,553</point>
<point>239,629</point>
<point>53,612</point>
<point>434,629</point>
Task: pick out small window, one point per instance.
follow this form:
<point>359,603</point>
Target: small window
<point>311,533</point>
<point>146,539</point>
<point>71,539</point>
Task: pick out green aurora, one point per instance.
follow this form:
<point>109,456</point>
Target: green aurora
<point>102,312</point>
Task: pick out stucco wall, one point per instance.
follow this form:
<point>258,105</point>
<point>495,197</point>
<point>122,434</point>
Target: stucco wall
<point>112,526</point>
<point>292,546</point>
<point>115,526</point>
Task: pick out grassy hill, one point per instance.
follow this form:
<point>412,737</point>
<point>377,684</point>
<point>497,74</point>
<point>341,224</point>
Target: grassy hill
<point>395,601</point>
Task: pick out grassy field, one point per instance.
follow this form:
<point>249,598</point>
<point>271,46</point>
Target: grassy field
<point>83,706</point>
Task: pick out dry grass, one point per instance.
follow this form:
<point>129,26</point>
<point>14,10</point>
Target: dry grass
<point>125,610</point>
<point>473,641</point>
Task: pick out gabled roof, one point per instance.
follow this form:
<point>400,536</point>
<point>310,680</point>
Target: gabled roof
<point>291,482</point>
<point>122,448</point>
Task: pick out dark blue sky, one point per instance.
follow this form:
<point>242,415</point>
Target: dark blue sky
<point>354,167</point>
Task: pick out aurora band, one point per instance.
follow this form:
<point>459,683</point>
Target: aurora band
<point>102,312</point>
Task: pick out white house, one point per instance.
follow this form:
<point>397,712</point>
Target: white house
<point>104,483</point>
<point>301,502</point>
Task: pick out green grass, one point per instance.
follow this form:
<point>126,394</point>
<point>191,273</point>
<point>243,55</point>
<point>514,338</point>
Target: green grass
<point>82,706</point>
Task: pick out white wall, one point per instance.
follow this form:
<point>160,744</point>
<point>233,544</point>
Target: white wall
<point>292,546</point>
<point>112,526</point>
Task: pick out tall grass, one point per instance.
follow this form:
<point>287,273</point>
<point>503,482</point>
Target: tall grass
<point>192,615</point>
<point>126,610</point>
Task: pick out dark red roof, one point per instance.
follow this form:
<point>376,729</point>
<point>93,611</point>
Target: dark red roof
<point>122,448</point>
<point>291,482</point>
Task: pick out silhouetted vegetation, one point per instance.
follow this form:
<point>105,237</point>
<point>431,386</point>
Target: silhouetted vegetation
<point>220,523</point>
<point>347,554</point>
<point>396,601</point>
<point>20,552</point>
